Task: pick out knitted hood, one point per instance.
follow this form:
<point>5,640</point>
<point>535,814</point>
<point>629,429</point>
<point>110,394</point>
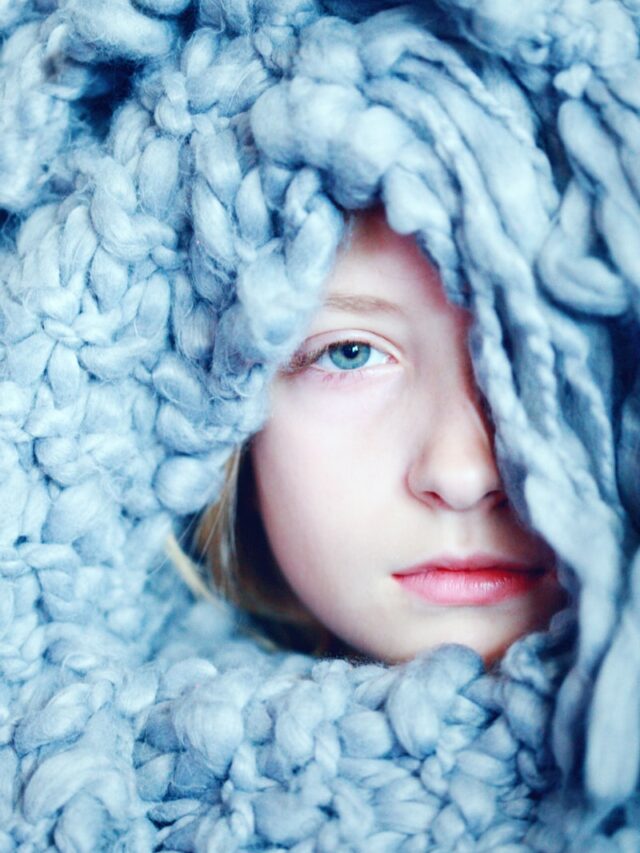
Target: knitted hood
<point>173,179</point>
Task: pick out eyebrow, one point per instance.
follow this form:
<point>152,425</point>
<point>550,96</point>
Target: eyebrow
<point>361,304</point>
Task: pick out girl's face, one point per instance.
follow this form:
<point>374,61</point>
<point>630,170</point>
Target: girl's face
<point>375,474</point>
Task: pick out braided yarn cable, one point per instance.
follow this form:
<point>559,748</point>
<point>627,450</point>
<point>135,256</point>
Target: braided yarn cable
<point>173,176</point>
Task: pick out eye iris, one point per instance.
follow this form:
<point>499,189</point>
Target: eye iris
<point>350,355</point>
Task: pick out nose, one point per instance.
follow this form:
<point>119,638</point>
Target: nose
<point>454,465</point>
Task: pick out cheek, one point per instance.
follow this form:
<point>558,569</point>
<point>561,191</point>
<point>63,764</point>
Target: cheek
<point>328,464</point>
<point>315,486</point>
<point>319,459</point>
<point>293,473</point>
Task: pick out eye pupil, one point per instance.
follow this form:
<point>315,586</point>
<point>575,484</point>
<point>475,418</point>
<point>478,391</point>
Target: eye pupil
<point>351,350</point>
<point>350,355</point>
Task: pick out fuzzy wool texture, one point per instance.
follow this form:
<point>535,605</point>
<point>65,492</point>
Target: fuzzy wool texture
<point>172,179</point>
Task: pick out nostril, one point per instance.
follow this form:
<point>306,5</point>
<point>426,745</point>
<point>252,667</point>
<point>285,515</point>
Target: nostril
<point>496,499</point>
<point>435,500</point>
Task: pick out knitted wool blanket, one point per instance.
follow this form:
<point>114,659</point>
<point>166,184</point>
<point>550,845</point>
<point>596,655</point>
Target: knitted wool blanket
<point>172,179</point>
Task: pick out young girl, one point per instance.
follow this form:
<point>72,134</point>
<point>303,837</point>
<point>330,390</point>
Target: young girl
<point>370,510</point>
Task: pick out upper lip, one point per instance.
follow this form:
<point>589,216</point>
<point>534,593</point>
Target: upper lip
<point>470,563</point>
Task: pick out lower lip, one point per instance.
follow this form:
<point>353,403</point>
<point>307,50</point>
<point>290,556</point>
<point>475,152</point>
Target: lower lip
<point>478,587</point>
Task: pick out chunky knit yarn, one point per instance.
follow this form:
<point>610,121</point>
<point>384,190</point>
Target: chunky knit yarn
<point>173,175</point>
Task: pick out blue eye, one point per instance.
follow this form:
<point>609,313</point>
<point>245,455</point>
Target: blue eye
<point>339,357</point>
<point>349,355</point>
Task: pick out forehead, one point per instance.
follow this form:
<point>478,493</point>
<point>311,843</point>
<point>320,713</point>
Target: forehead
<point>376,263</point>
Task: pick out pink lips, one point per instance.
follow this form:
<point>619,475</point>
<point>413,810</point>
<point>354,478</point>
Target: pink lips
<point>471,581</point>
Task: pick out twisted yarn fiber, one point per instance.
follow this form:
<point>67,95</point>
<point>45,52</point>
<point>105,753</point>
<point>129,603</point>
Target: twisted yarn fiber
<point>172,178</point>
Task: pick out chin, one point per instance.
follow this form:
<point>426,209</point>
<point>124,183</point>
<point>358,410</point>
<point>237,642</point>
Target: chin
<point>490,648</point>
<point>488,631</point>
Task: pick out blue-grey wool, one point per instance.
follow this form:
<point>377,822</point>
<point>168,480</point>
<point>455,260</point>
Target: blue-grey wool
<point>173,177</point>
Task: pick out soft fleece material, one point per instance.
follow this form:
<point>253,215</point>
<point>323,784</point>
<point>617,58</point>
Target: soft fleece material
<point>172,175</point>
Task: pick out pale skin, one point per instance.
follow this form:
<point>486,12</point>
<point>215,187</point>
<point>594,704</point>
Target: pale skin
<point>380,457</point>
